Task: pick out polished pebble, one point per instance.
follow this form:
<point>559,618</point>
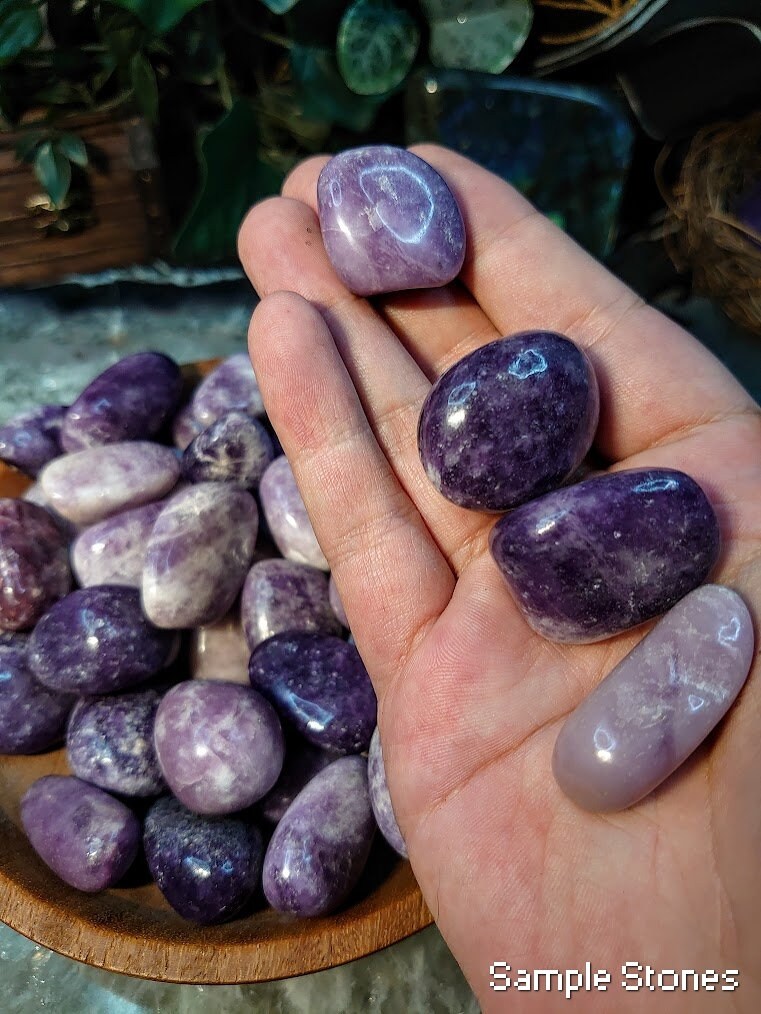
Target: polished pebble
<point>232,385</point>
<point>280,595</point>
<point>590,560</point>
<point>219,651</point>
<point>658,704</point>
<point>198,555</point>
<point>287,517</point>
<point>67,528</point>
<point>113,550</point>
<point>34,563</point>
<point>93,484</point>
<point>380,798</point>
<point>32,717</point>
<point>235,448</point>
<point>321,845</point>
<point>336,604</point>
<point>185,427</point>
<point>32,439</point>
<point>220,746</point>
<point>302,762</point>
<point>389,221</point>
<point>88,838</point>
<point>510,421</point>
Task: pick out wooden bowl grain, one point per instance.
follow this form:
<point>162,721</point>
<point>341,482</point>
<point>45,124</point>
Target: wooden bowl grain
<point>132,929</point>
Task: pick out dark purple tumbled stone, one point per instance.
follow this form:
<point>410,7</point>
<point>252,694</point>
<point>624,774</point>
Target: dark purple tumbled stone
<point>380,797</point>
<point>232,385</point>
<point>32,718</point>
<point>97,641</point>
<point>32,439</point>
<point>319,683</point>
<point>208,869</point>
<point>236,448</point>
<point>131,400</point>
<point>84,835</point>
<point>113,550</point>
<point>510,421</point>
<point>34,563</point>
<point>280,595</point>
<point>302,763</point>
<point>389,221</point>
<point>109,742</point>
<point>590,560</point>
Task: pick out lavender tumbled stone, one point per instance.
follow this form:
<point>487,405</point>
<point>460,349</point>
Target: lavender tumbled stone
<point>510,421</point>
<point>380,797</point>
<point>34,563</point>
<point>232,385</point>
<point>319,683</point>
<point>590,560</point>
<point>219,651</point>
<point>84,835</point>
<point>235,448</point>
<point>32,717</point>
<point>113,551</point>
<point>287,517</point>
<point>32,439</point>
<point>389,221</point>
<point>280,595</point>
<point>185,427</point>
<point>658,704</point>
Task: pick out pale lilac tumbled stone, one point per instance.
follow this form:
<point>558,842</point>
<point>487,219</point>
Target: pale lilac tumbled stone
<point>287,517</point>
<point>32,439</point>
<point>88,838</point>
<point>380,798</point>
<point>236,448</point>
<point>219,651</point>
<point>185,427</point>
<point>34,563</point>
<point>232,385</point>
<point>67,528</point>
<point>93,484</point>
<point>32,717</point>
<point>336,604</point>
<point>220,746</point>
<point>198,555</point>
<point>280,595</point>
<point>658,704</point>
<point>389,221</point>
<point>113,550</point>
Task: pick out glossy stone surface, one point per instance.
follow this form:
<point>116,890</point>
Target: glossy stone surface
<point>32,439</point>
<point>88,838</point>
<point>336,604</point>
<point>287,517</point>
<point>207,869</point>
<point>109,742</point>
<point>32,718</point>
<point>131,400</point>
<point>590,560</point>
<point>220,746</point>
<point>321,845</point>
<point>34,563</point>
<point>280,595</point>
<point>67,528</point>
<point>232,385</point>
<point>320,684</point>
<point>185,427</point>
<point>389,221</point>
<point>302,763</point>
<point>380,798</point>
<point>97,641</point>
<point>198,555</point>
<point>219,651</point>
<point>235,448</point>
<point>658,704</point>
<point>93,484</point>
<point>113,550</point>
<point>510,421</point>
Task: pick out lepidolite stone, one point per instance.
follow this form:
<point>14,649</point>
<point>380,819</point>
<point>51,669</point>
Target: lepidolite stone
<point>32,439</point>
<point>113,551</point>
<point>185,427</point>
<point>658,704</point>
<point>232,385</point>
<point>131,400</point>
<point>235,449</point>
<point>207,869</point>
<point>321,845</point>
<point>389,221</point>
<point>219,651</point>
<point>109,742</point>
<point>302,762</point>
<point>67,528</point>
<point>319,683</point>
<point>93,484</point>
<point>280,595</point>
<point>380,797</point>
<point>198,555</point>
<point>34,563</point>
<point>510,421</point>
<point>88,838</point>
<point>287,517</point>
<point>97,641</point>
<point>590,560</point>
<point>32,718</point>
<point>220,746</point>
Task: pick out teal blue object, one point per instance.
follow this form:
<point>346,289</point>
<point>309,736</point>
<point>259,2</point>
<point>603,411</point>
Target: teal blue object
<point>280,6</point>
<point>323,93</point>
<point>483,35</point>
<point>376,46</point>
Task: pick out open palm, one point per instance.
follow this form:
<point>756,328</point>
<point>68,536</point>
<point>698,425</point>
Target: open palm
<point>470,699</point>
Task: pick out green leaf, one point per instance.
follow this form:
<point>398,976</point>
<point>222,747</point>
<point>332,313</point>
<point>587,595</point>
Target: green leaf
<point>376,46</point>
<point>159,16</point>
<point>233,177</point>
<point>73,148</point>
<point>28,145</point>
<point>323,92</point>
<point>483,35</point>
<point>53,170</point>
<point>20,28</point>
<point>144,86</point>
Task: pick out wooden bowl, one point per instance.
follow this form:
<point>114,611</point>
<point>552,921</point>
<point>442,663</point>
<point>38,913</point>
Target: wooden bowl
<point>132,929</point>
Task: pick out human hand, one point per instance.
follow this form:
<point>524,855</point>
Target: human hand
<point>470,699</point>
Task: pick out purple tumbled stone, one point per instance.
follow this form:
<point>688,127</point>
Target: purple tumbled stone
<point>590,560</point>
<point>220,745</point>
<point>185,427</point>
<point>280,595</point>
<point>95,483</point>
<point>235,448</point>
<point>302,762</point>
<point>380,798</point>
<point>336,604</point>
<point>321,845</point>
<point>97,641</point>
<point>207,869</point>
<point>389,221</point>
<point>131,400</point>
<point>510,421</point>
<point>219,651</point>
<point>32,717</point>
<point>32,439</point>
<point>198,555</point>
<point>35,495</point>
<point>319,683</point>
<point>113,550</point>
<point>658,704</point>
<point>34,563</point>
<point>232,385</point>
<point>287,517</point>
<point>88,838</point>
<point>109,742</point>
